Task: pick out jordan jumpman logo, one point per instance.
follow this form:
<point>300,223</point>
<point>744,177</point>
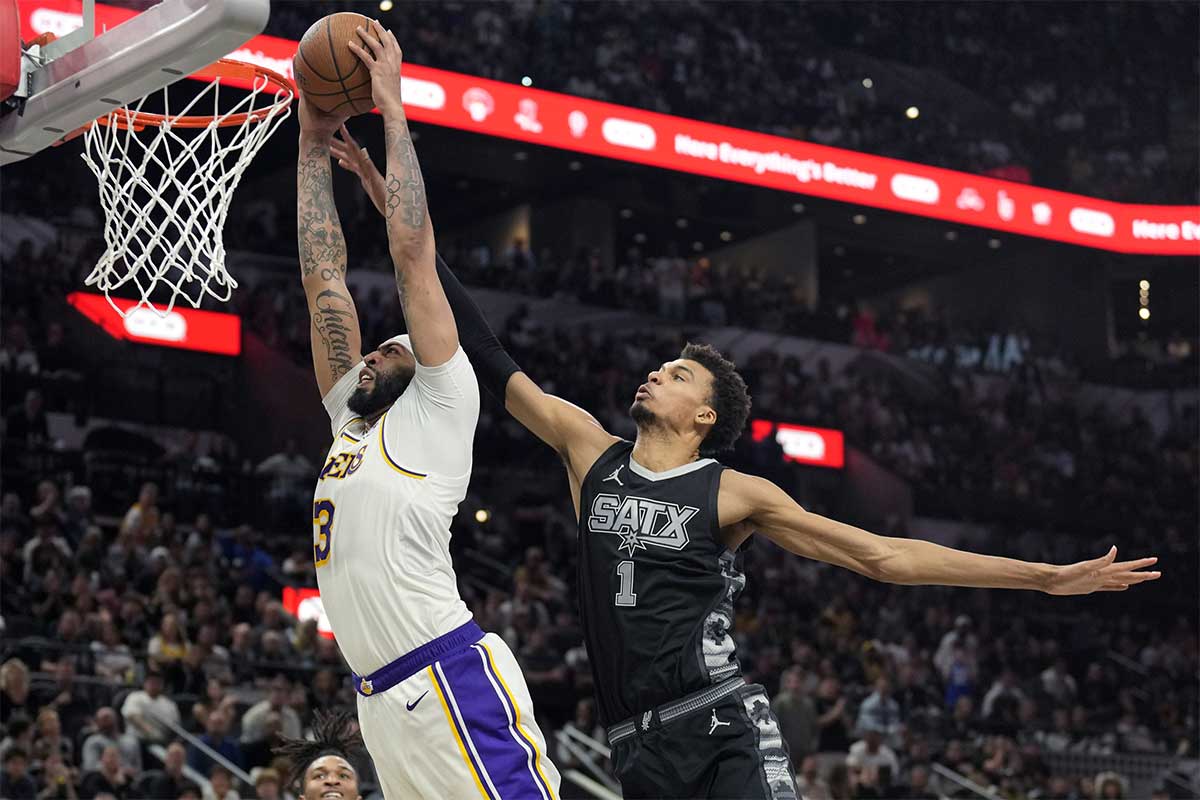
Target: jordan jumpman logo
<point>716,723</point>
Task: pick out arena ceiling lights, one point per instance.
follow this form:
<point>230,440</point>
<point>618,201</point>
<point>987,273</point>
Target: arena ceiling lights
<point>603,129</point>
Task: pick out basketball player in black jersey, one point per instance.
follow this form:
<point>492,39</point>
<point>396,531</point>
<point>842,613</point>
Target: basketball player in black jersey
<point>659,524</point>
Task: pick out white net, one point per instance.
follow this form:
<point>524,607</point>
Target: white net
<point>166,191</point>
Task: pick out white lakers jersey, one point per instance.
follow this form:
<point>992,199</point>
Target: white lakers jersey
<point>382,510</point>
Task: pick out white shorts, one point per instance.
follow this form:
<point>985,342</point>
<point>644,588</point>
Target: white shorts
<point>462,727</point>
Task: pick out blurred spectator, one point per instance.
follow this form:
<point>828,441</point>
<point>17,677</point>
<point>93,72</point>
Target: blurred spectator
<point>15,783</point>
<point>220,785</point>
<point>144,511</point>
<point>880,711</point>
<point>108,734</point>
<point>833,717</point>
<point>266,785</point>
<point>216,736</point>
<point>14,690</point>
<point>254,722</point>
<point>110,776</point>
<point>871,752</point>
<point>25,425</point>
<point>808,779</point>
<point>170,780</point>
<point>150,713</point>
<point>797,715</point>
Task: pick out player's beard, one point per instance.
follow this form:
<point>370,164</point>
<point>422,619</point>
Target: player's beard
<point>643,417</point>
<point>387,390</point>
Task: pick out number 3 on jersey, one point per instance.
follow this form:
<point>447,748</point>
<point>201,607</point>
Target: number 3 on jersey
<point>322,531</point>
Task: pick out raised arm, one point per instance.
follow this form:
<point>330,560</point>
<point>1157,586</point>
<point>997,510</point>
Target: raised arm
<point>334,330</point>
<point>768,509</point>
<point>409,229</point>
<point>572,432</point>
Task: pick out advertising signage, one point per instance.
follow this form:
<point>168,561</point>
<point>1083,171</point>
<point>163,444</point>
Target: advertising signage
<point>628,134</point>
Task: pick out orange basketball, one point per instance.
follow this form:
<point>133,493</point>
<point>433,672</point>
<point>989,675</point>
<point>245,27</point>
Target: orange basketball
<point>330,75</point>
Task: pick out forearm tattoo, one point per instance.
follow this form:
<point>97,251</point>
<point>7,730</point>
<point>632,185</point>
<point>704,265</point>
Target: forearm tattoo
<point>318,230</point>
<point>405,186</point>
<point>333,318</point>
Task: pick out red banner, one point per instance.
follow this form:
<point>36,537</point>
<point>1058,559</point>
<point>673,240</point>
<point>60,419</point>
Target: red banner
<point>306,604</point>
<point>185,328</point>
<point>628,134</point>
<point>818,447</point>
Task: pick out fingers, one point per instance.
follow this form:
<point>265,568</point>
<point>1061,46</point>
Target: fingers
<point>363,55</point>
<point>368,37</point>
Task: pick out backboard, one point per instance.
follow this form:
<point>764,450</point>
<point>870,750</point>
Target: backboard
<point>85,74</point>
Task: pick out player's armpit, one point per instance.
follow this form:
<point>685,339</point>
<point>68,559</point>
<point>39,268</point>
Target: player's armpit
<point>574,433</point>
<point>334,330</point>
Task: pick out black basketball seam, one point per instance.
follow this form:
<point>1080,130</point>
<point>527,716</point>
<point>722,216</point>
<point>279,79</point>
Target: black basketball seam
<point>337,91</point>
<point>333,58</point>
<point>311,68</point>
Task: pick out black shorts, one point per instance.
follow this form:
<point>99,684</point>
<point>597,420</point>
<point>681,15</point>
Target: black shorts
<point>729,750</point>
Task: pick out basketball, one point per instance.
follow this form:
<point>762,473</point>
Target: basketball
<point>327,72</point>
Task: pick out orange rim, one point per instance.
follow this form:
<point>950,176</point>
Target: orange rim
<point>224,68</point>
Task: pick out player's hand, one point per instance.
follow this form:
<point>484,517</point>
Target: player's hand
<point>315,122</point>
<point>381,54</point>
<point>1104,574</point>
<point>353,158</point>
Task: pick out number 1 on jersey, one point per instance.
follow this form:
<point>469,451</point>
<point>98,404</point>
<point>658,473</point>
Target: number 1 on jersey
<point>626,596</point>
<point>323,541</point>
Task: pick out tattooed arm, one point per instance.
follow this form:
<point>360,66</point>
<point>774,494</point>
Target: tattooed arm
<point>336,339</point>
<point>410,232</point>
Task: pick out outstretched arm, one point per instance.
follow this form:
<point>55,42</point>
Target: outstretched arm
<point>555,421</point>
<point>410,231</point>
<point>768,509</point>
<point>334,329</point>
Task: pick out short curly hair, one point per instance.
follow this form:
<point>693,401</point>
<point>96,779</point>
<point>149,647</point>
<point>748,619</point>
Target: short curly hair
<point>730,398</point>
<point>334,734</point>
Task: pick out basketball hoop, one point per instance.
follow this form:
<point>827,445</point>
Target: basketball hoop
<point>166,182</point>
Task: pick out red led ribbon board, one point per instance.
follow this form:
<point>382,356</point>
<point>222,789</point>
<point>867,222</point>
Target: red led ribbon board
<point>305,604</point>
<point>818,447</point>
<point>184,328</point>
<point>629,134</point>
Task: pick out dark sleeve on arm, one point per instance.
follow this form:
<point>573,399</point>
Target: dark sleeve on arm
<point>493,365</point>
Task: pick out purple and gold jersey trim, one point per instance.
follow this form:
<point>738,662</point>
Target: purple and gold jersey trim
<point>388,459</point>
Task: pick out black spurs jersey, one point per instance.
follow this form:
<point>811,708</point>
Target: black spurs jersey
<point>656,585</point>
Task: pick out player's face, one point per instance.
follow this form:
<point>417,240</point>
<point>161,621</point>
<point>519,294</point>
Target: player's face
<point>330,778</point>
<point>385,375</point>
<point>675,395</point>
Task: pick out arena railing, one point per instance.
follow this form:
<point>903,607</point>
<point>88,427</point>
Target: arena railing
<point>1144,771</point>
<point>209,753</point>
<point>586,749</point>
<point>964,782</point>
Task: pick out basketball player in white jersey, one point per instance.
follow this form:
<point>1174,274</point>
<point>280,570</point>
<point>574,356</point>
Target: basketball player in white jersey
<point>444,709</point>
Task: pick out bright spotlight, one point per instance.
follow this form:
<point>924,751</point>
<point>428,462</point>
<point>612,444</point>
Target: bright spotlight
<point>1144,313</point>
<point>868,83</point>
<point>525,81</point>
<point>912,112</point>
<point>1144,285</point>
<point>385,5</point>
<point>482,515</point>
